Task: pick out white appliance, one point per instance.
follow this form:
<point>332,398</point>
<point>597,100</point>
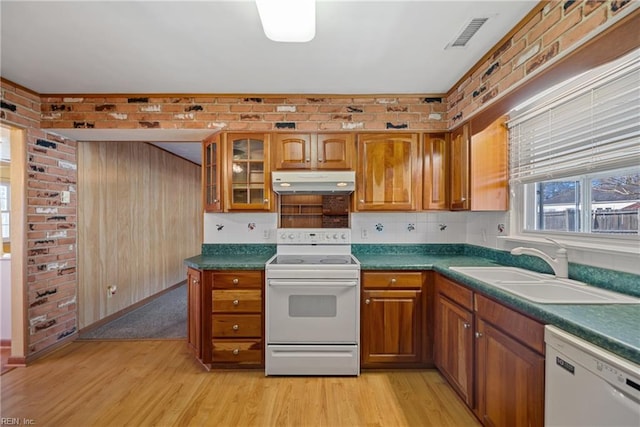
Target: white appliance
<point>313,182</point>
<point>312,304</point>
<point>588,386</point>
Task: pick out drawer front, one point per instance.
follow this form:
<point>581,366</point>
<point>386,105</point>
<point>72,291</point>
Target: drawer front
<point>238,279</point>
<point>522,328</point>
<point>240,325</point>
<point>392,279</point>
<point>237,300</point>
<point>456,293</point>
<point>237,351</point>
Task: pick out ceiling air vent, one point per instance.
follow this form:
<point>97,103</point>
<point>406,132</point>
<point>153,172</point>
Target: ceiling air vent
<point>467,32</point>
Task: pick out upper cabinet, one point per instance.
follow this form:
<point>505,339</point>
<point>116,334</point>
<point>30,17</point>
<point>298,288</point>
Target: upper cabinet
<point>459,174</point>
<point>388,172</point>
<point>248,174</point>
<point>489,168</point>
<point>211,174</point>
<point>313,151</point>
<point>435,171</point>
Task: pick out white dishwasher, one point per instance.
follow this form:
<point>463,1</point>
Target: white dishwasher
<point>588,386</point>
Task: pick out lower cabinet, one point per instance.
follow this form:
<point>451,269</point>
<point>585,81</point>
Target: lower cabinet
<point>393,323</point>
<point>231,318</point>
<point>491,355</point>
<point>194,311</point>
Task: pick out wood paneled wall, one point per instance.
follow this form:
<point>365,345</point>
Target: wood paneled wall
<point>139,216</point>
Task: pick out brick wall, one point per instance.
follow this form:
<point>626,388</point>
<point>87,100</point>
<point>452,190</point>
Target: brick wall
<point>51,226</point>
<point>558,27</point>
<point>309,114</point>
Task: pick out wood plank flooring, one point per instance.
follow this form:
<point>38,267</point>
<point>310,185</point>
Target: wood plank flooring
<point>158,383</point>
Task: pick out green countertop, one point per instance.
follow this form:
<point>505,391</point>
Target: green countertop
<point>614,327</point>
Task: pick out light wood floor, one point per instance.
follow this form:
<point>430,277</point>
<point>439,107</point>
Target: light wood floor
<point>144,383</point>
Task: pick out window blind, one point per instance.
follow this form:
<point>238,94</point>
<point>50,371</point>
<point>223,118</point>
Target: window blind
<point>592,127</point>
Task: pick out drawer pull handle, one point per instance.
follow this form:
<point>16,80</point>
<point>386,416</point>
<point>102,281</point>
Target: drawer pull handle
<point>466,325</point>
<point>235,327</point>
<point>236,351</point>
<point>236,302</point>
<point>478,334</point>
<point>235,281</point>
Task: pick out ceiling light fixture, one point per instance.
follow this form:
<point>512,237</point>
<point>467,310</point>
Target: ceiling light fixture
<point>288,20</point>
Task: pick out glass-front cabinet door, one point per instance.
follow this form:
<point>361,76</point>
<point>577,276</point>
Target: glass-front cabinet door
<point>211,183</point>
<point>248,173</point>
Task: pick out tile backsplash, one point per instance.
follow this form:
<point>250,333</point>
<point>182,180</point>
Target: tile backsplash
<point>368,228</point>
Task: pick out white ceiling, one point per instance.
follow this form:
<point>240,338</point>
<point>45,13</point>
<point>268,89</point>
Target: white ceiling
<point>218,47</point>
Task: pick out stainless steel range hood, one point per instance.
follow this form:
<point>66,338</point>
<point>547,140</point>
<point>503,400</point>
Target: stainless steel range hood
<point>313,182</point>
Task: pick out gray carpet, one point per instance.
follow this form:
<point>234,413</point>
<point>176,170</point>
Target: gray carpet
<point>165,317</point>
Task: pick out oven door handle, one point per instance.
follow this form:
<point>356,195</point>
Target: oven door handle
<point>324,284</point>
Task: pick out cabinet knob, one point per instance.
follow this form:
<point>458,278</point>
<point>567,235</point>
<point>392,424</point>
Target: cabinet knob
<point>235,281</point>
<point>478,334</point>
<point>235,327</point>
<point>236,351</point>
<point>215,200</point>
<point>266,200</point>
<point>393,280</point>
<point>466,325</point>
<point>194,281</point>
<point>236,302</point>
<point>367,301</point>
<point>307,160</point>
<point>361,200</point>
<point>320,160</point>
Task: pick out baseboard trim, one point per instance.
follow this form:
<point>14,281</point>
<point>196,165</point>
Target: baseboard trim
<point>5,343</point>
<point>129,309</point>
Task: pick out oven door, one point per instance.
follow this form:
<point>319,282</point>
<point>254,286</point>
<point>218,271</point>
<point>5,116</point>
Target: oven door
<point>312,311</point>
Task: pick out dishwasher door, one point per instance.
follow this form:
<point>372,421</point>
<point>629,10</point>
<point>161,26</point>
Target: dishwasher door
<point>588,386</point>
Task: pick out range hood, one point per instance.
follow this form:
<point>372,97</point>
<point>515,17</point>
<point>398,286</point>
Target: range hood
<point>313,182</point>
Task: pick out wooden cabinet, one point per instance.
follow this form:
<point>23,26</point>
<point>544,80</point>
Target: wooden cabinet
<point>489,168</point>
<point>248,172</point>
<point>313,151</point>
<point>393,319</point>
<point>435,175</point>
<point>454,336</point>
<point>459,169</point>
<point>211,174</point>
<point>491,355</point>
<point>509,365</point>
<point>388,172</point>
<point>194,311</point>
<point>229,323</point>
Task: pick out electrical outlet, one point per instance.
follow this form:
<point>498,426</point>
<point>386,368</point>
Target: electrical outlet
<point>266,234</point>
<point>364,234</point>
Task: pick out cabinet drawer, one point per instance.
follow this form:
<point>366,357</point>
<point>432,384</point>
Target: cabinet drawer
<point>237,279</point>
<point>237,351</point>
<point>237,300</point>
<point>519,326</point>
<point>392,279</point>
<point>239,325</point>
<point>456,293</point>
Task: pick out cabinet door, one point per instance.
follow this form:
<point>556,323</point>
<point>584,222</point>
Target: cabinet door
<point>453,353</point>
<point>510,380</point>
<point>293,151</point>
<point>211,174</point>
<point>389,172</point>
<point>489,168</point>
<point>248,172</point>
<point>391,327</point>
<point>194,311</point>
<point>459,171</point>
<point>436,172</point>
<point>334,151</point>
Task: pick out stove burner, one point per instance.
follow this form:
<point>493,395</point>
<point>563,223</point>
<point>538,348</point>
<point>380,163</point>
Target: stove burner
<point>333,261</point>
<point>294,261</point>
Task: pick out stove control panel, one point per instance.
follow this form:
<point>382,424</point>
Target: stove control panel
<point>304,236</point>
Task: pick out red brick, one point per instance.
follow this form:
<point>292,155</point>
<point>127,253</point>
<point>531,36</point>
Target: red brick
<point>579,31</point>
<point>563,26</point>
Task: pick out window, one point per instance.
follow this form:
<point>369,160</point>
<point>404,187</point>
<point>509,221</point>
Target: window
<point>606,203</point>
<point>575,155</point>
<point>5,207</point>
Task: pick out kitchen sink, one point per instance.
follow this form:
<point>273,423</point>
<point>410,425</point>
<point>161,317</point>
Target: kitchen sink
<point>544,288</point>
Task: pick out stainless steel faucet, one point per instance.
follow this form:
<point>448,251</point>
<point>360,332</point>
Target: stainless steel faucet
<point>559,264</point>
